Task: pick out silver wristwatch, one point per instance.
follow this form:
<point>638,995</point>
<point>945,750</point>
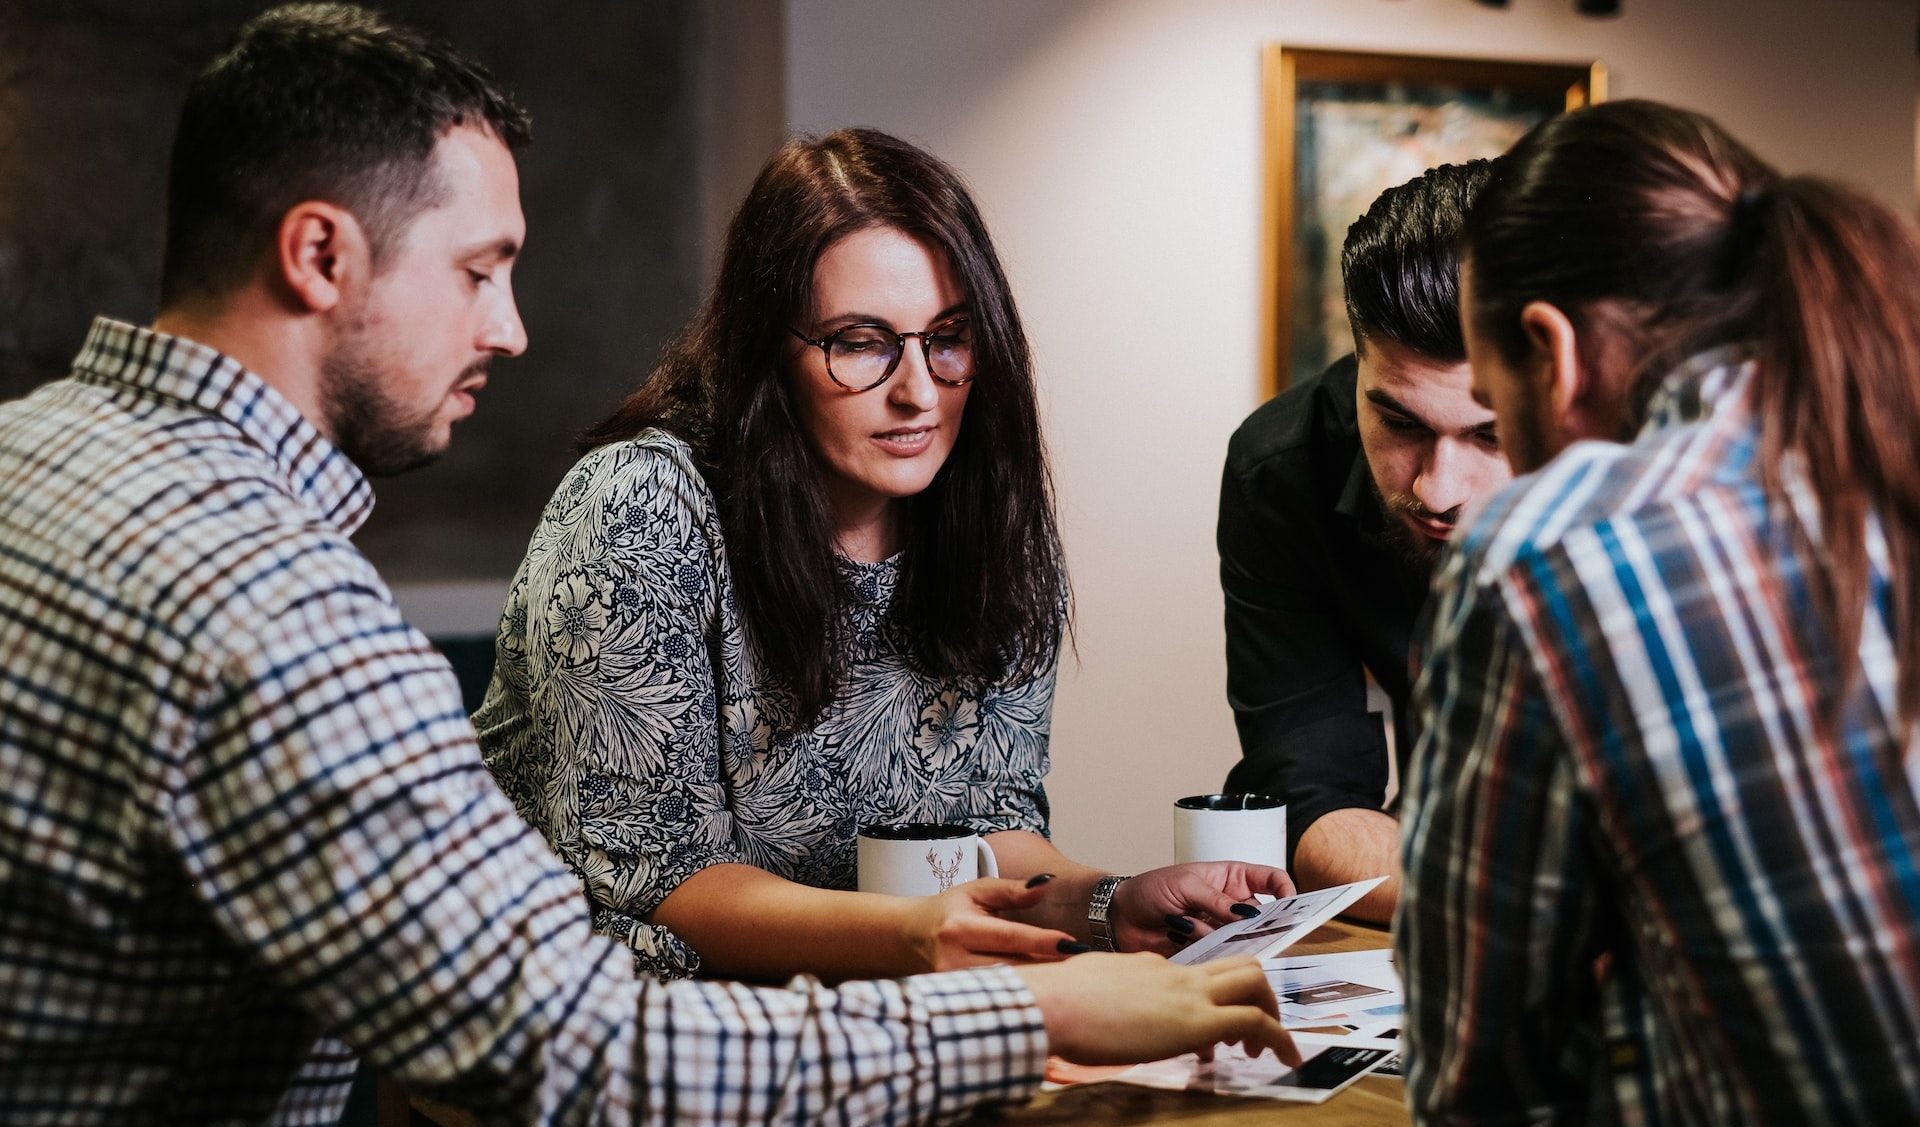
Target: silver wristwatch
<point>1099,908</point>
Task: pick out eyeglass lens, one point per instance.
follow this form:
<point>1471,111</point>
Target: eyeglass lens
<point>862,356</point>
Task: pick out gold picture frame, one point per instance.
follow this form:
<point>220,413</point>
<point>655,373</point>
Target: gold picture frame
<point>1373,120</point>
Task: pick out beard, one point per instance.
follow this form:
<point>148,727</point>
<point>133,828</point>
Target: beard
<point>1413,553</point>
<point>374,430</point>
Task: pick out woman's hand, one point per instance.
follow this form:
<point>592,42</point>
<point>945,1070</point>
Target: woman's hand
<point>959,928</point>
<point>1165,909</point>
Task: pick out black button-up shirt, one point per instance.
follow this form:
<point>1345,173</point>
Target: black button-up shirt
<point>1314,601</point>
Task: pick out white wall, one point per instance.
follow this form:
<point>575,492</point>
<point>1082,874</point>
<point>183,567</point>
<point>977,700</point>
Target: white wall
<point>1115,149</point>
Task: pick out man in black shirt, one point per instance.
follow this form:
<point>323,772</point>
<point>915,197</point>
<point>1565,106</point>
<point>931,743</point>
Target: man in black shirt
<point>1337,497</point>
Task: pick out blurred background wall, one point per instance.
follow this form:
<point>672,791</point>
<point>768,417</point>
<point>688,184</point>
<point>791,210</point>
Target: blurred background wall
<point>1115,146</point>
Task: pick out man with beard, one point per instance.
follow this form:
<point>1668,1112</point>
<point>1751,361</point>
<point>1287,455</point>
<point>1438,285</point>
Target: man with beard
<point>1337,497</point>
<point>245,813</point>
<point>1663,826</point>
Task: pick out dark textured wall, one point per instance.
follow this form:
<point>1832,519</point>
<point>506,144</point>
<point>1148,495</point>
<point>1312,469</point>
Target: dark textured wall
<point>88,94</point>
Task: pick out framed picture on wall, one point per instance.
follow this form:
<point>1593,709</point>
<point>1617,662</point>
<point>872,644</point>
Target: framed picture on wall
<point>1344,126</point>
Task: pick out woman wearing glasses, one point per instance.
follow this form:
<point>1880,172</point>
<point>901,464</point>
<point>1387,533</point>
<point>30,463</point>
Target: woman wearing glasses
<point>808,578</point>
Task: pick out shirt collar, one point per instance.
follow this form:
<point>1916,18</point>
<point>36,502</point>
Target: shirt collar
<point>1359,499</point>
<point>182,372</point>
<point>1712,383</point>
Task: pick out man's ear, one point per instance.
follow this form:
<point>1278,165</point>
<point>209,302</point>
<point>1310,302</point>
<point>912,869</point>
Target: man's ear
<point>1553,360</point>
<point>319,251</point>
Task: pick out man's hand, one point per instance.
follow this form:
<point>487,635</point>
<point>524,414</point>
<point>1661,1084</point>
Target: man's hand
<point>1122,1009</point>
<point>1164,909</point>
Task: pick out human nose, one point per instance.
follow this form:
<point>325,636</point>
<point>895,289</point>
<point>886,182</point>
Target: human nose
<point>1445,479</point>
<point>503,332</point>
<point>912,383</point>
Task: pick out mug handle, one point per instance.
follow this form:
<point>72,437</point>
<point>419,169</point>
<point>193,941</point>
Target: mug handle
<point>989,865</point>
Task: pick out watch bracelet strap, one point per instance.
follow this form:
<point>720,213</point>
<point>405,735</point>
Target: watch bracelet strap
<point>1099,912</point>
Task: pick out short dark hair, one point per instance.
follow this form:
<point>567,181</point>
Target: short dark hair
<point>314,101</point>
<point>1401,262</point>
<point>981,590</point>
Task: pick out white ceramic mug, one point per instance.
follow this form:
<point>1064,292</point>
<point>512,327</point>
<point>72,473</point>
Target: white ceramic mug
<point>1230,827</point>
<point>921,858</point>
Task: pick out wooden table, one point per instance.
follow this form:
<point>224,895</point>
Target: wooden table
<point>1371,1101</point>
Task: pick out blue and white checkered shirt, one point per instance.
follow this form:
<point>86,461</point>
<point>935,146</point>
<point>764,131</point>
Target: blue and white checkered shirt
<point>245,824</point>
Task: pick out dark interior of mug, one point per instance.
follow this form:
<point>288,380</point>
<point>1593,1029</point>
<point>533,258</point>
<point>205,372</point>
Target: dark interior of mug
<point>916,831</point>
<point>1229,802</point>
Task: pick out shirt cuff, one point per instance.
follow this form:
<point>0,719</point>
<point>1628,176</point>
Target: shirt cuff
<point>989,1037</point>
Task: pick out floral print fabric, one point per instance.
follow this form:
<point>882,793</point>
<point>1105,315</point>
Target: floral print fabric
<point>629,721</point>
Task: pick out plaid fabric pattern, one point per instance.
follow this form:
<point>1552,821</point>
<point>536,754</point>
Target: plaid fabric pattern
<point>245,824</point>
<point>1624,664</point>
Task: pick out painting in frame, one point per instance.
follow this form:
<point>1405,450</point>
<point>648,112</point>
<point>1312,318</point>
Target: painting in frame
<point>1344,126</point>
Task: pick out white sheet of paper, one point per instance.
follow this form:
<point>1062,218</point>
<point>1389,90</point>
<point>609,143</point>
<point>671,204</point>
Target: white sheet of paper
<point>1278,925</point>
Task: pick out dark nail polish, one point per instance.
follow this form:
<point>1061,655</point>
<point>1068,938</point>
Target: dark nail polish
<point>1038,879</point>
<point>1178,939</point>
<point>1069,947</point>
<point>1245,911</point>
<point>1180,923</point>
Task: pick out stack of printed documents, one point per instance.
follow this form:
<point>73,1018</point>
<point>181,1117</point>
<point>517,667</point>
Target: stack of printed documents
<point>1331,1063</point>
<point>1348,988</point>
<point>1352,998</point>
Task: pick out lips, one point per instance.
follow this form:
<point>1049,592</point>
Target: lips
<point>1432,529</point>
<point>905,442</point>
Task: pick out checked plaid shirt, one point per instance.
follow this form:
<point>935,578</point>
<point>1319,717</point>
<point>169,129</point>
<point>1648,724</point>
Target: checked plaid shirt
<point>1624,667</point>
<point>245,822</point>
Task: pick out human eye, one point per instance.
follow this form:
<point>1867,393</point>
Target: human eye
<point>861,340</point>
<point>1400,424</point>
<point>954,334</point>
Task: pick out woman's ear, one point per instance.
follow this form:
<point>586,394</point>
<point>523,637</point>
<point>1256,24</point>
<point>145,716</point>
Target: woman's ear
<point>319,250</point>
<point>1553,362</point>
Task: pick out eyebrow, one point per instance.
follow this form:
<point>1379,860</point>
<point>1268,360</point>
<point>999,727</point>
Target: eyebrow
<point>499,250</point>
<point>846,319</point>
<point>1383,400</point>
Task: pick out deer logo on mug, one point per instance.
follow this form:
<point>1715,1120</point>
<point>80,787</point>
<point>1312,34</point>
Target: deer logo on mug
<point>946,872</point>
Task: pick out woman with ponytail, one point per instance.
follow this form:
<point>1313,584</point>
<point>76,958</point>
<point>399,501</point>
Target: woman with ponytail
<point>1663,836</point>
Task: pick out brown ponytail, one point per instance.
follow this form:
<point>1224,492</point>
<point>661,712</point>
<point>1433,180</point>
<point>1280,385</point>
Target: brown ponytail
<point>1660,212</point>
<point>1839,388</point>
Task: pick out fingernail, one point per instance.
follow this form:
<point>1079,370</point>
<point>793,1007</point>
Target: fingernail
<point>1245,911</point>
<point>1179,940</point>
<point>1179,923</point>
<point>1038,879</point>
<point>1069,947</point>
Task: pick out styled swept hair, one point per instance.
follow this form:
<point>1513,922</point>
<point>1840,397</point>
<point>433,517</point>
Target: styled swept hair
<point>1401,263</point>
<point>981,590</point>
<point>314,101</point>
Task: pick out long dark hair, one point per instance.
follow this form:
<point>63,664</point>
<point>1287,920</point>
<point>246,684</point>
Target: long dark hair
<point>981,587</point>
<point>1691,240</point>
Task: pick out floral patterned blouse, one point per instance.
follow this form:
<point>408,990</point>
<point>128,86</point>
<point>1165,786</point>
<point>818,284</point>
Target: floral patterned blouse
<point>629,720</point>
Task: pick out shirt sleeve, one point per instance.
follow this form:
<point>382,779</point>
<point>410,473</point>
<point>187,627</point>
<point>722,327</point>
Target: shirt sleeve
<point>1494,926</point>
<point>1297,687</point>
<point>612,629</point>
<point>337,826</point>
